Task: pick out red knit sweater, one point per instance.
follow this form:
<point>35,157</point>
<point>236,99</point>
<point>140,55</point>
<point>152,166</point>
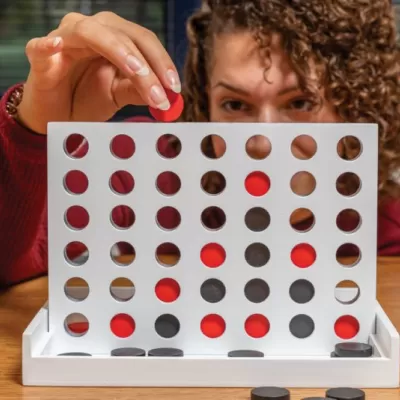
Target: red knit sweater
<point>23,211</point>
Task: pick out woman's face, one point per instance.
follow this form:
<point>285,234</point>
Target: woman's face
<point>239,92</point>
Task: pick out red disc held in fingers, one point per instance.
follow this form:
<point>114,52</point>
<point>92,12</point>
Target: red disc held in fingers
<point>174,112</point>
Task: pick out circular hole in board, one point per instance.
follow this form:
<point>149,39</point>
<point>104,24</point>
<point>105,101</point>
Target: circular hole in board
<point>168,183</point>
<point>257,326</point>
<point>347,292</point>
<point>167,290</point>
<point>122,325</point>
<point>167,326</point>
<point>122,253</point>
<point>213,182</point>
<point>348,255</point>
<point>122,147</point>
<point>77,217</point>
<point>348,184</point>
<point>76,146</point>
<point>348,220</point>
<point>168,218</point>
<point>213,326</point>
<point>76,254</point>
<point>302,220</point>
<point>257,219</point>
<point>301,326</point>
<point>256,290</point>
<point>303,183</point>
<point>213,218</point>
<point>169,146</point>
<point>76,289</point>
<point>302,291</point>
<point>122,217</point>
<point>76,182</point>
<point>213,290</point>
<point>213,146</point>
<point>257,184</point>
<point>76,324</point>
<point>349,148</point>
<point>168,254</point>
<point>304,147</point>
<point>122,182</point>
<point>212,255</point>
<point>347,327</point>
<point>303,255</point>
<point>122,289</point>
<point>258,147</point>
<point>257,255</point>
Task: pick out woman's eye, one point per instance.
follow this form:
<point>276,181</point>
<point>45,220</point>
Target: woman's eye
<point>233,105</point>
<point>302,105</point>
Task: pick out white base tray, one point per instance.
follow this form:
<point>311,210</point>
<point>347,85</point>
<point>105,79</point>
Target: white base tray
<point>379,371</point>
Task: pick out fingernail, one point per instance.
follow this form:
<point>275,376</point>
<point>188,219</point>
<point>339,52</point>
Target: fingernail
<point>53,42</point>
<point>159,97</point>
<point>136,66</point>
<point>174,81</point>
<point>56,41</point>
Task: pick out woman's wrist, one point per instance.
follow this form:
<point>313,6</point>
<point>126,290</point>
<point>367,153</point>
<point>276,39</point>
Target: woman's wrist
<point>16,110</point>
<point>14,101</point>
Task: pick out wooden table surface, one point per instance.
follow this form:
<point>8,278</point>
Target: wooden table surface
<point>19,305</point>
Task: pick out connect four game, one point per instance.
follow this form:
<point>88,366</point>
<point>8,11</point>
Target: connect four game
<point>207,281</point>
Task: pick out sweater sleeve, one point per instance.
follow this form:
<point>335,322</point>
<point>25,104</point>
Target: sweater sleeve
<point>389,229</point>
<point>23,179</point>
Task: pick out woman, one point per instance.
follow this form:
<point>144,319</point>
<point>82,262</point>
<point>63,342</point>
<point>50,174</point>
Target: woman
<point>251,61</point>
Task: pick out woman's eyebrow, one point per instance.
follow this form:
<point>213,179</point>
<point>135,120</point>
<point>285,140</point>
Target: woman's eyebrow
<point>232,88</point>
<point>289,89</point>
<point>237,89</point>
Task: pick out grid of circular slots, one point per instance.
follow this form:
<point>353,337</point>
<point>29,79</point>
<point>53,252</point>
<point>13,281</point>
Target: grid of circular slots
<point>213,255</point>
<point>302,220</point>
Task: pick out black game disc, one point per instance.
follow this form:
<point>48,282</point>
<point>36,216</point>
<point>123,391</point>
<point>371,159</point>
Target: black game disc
<point>353,349</point>
<point>345,394</point>
<point>245,353</point>
<point>128,352</point>
<point>271,392</point>
<point>315,398</point>
<point>165,352</point>
<point>76,354</point>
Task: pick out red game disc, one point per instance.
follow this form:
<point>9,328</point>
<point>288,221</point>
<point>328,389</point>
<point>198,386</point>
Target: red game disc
<point>174,111</point>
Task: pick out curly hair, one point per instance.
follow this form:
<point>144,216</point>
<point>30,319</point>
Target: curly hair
<point>353,43</point>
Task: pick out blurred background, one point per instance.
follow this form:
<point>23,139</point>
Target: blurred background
<point>21,20</point>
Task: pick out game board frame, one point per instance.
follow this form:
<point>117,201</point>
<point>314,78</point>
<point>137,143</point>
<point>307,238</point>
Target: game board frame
<point>43,338</point>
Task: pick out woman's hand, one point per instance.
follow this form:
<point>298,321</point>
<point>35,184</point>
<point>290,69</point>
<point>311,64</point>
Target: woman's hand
<point>90,67</point>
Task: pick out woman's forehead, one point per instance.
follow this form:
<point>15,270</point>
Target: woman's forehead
<point>237,59</point>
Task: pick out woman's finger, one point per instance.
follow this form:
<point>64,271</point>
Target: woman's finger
<point>40,50</point>
<point>149,45</point>
<point>119,50</point>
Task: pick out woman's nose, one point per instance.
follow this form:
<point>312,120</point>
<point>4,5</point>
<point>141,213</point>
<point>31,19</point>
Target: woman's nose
<point>269,114</point>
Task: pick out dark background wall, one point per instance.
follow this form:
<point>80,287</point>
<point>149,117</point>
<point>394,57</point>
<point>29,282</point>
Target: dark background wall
<point>21,20</point>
